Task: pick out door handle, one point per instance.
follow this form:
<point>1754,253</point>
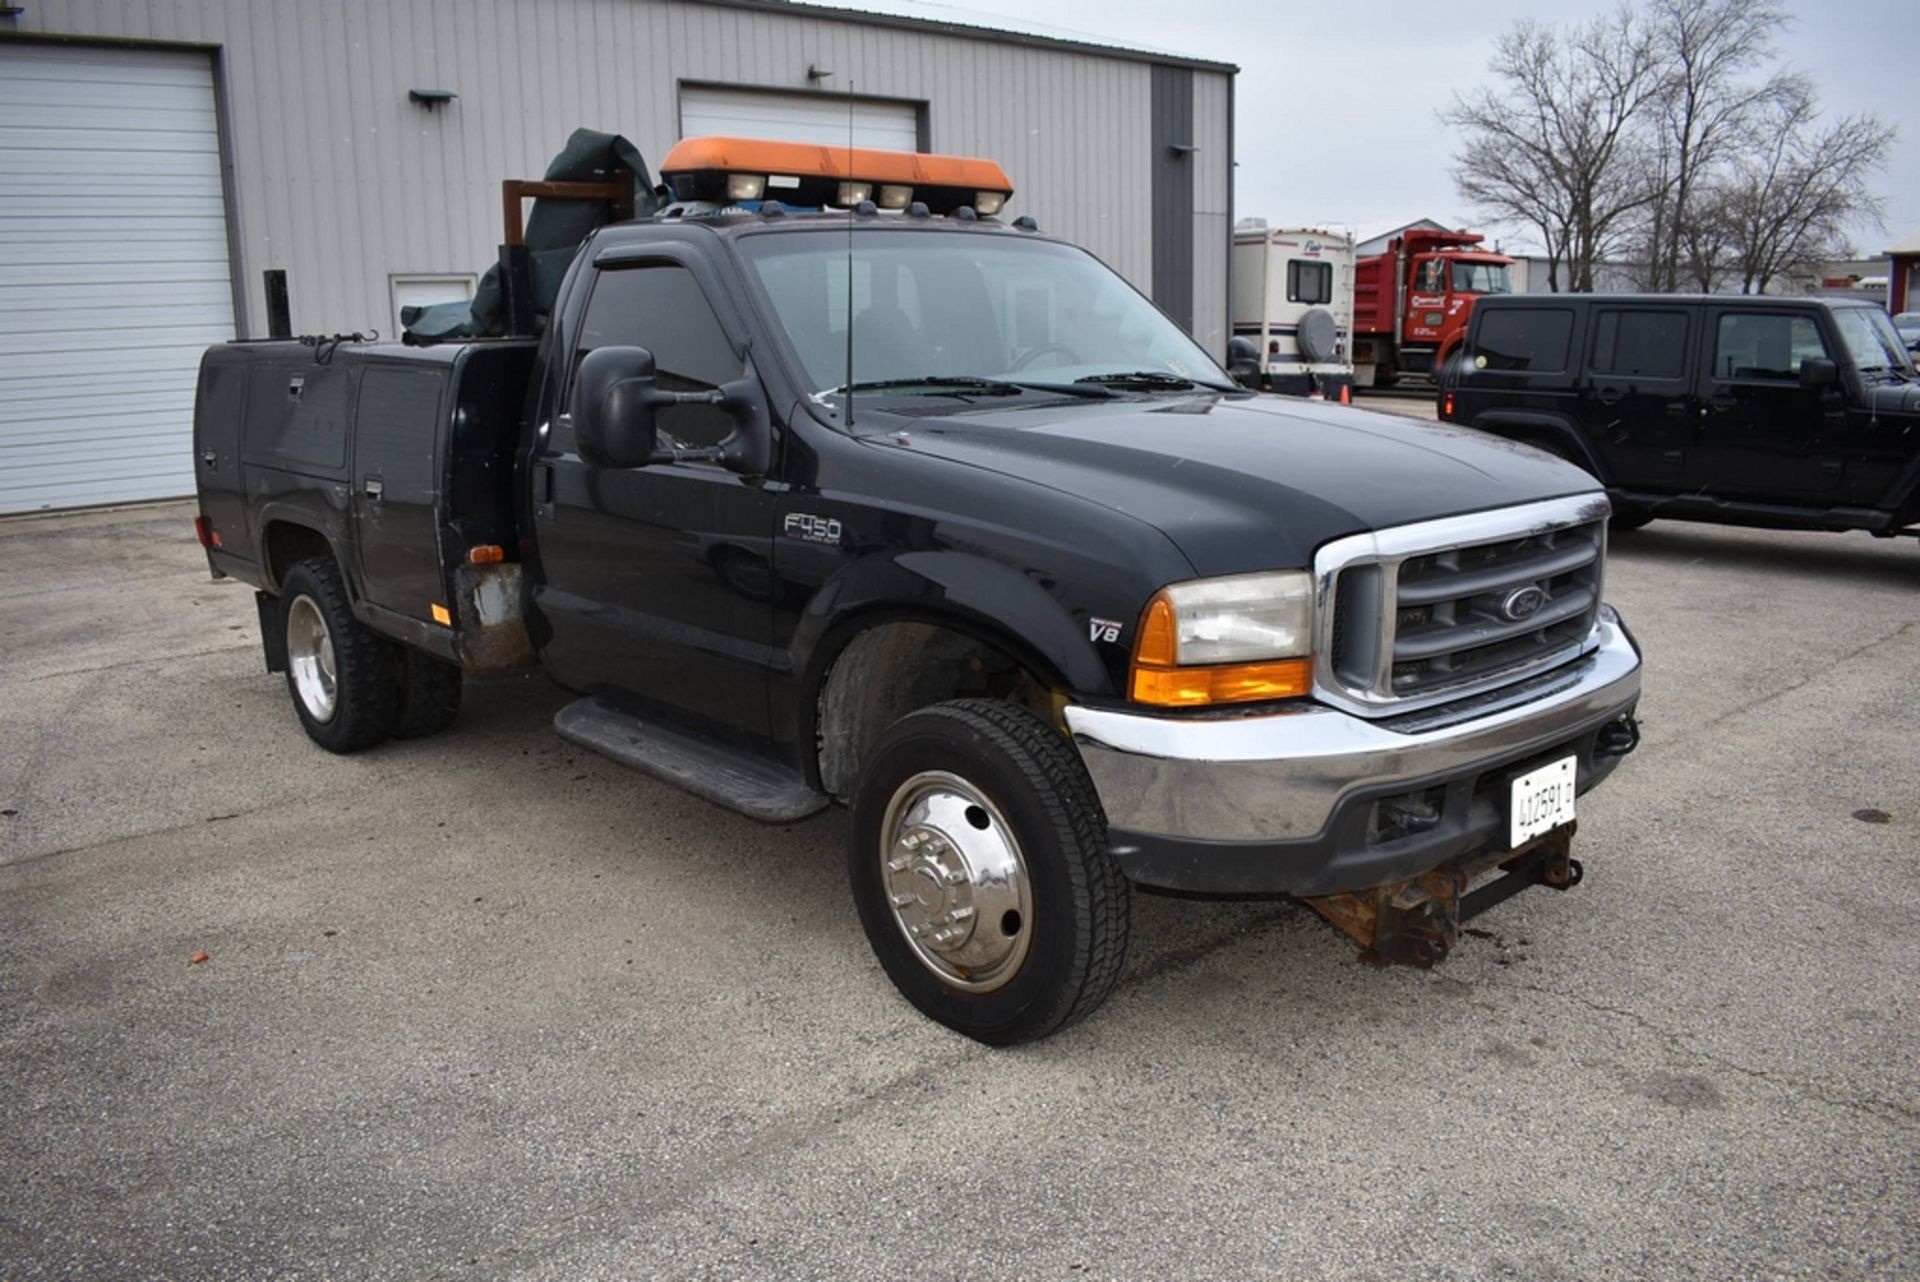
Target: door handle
<point>1719,403</point>
<point>1609,395</point>
<point>375,488</point>
<point>210,458</point>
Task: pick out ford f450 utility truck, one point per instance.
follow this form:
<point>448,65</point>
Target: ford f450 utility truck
<point>939,518</point>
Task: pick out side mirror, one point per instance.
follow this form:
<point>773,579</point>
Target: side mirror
<point>614,396</point>
<point>1817,372</point>
<point>1243,362</point>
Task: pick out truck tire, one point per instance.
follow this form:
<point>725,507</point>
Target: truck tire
<point>428,697</point>
<point>340,673</point>
<point>1317,335</point>
<point>978,857</point>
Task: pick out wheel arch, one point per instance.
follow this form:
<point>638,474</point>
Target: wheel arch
<point>287,540</point>
<point>889,636</point>
<point>1550,432</point>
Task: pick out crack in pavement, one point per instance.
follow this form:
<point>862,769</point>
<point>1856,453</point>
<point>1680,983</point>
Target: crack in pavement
<point>1677,1046</point>
<point>1782,691</point>
<point>154,661</point>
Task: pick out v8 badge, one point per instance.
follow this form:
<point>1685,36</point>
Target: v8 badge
<point>1102,630</point>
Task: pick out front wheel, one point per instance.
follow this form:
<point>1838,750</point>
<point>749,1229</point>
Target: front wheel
<point>978,857</point>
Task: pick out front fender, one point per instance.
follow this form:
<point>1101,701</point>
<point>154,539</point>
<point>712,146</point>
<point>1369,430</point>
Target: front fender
<point>986,598</point>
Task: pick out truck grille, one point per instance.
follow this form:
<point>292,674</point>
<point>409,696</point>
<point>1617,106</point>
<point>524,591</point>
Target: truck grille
<point>1421,614</point>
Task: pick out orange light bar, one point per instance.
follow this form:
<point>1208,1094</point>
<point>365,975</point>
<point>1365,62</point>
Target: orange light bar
<point>1195,687</point>
<point>845,164</point>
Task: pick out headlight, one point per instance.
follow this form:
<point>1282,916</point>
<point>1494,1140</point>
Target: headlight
<point>1229,640</point>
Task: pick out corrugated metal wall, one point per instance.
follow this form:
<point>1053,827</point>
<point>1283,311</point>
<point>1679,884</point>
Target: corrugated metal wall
<point>342,181</point>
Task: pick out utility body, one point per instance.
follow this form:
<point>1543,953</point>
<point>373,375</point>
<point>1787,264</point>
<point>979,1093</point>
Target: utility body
<point>1030,585</point>
<point>1411,304</point>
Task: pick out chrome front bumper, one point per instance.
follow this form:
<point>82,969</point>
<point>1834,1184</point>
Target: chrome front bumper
<point>1313,800</point>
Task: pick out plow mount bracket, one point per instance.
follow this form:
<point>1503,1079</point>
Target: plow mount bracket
<point>1415,922</point>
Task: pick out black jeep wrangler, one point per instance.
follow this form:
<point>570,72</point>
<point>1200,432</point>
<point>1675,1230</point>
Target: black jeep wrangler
<point>1789,413</point>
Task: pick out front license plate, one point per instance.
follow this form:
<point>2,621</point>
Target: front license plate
<point>1543,800</point>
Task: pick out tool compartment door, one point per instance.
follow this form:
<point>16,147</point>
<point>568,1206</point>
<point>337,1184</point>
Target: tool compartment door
<point>397,481</point>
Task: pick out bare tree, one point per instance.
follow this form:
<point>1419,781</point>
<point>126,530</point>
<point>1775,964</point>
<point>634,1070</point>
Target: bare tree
<point>1706,108</point>
<point>1551,144</point>
<point>1789,201</point>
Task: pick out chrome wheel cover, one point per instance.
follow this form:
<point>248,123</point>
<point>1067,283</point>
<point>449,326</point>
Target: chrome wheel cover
<point>956,881</point>
<point>310,659</point>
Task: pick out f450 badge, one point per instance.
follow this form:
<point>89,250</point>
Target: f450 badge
<point>813,529</point>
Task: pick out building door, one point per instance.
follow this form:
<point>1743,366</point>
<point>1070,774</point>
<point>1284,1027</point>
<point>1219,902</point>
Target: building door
<point>114,270</point>
<point>822,118</point>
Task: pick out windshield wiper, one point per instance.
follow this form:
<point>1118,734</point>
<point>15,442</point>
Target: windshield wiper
<point>965,385</point>
<point>1153,379</point>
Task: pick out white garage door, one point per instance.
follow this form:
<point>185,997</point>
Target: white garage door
<point>114,272</point>
<point>797,117</point>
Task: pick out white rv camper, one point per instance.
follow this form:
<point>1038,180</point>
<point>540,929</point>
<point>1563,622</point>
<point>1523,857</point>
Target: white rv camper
<point>1293,299</point>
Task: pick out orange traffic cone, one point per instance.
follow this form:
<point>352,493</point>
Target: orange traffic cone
<point>1346,394</point>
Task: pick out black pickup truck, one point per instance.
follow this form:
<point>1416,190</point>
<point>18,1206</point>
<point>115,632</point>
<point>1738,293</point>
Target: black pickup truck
<point>1791,413</point>
<point>1042,595</point>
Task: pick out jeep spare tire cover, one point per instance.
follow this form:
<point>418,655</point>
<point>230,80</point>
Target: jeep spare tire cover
<point>1316,335</point>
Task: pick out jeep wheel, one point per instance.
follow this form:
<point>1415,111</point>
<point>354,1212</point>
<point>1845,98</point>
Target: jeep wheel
<point>340,673</point>
<point>978,857</point>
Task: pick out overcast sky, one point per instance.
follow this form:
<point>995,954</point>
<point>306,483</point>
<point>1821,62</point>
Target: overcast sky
<point>1335,101</point>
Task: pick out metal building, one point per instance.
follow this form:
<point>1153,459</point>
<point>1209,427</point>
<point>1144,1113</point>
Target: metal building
<point>156,159</point>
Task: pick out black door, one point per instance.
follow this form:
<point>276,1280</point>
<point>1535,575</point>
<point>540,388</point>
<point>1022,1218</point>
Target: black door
<point>1762,435</point>
<point>397,419</point>
<point>1879,442</point>
<point>1637,406</point>
<point>655,580</point>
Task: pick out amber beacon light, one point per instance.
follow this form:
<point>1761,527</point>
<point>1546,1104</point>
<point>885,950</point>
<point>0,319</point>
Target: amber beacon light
<point>812,175</point>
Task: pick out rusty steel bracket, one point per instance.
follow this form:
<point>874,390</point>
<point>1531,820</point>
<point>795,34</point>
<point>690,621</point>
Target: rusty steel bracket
<point>491,635</point>
<point>1416,922</point>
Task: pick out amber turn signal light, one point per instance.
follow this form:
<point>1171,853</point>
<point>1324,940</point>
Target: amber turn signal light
<point>1195,687</point>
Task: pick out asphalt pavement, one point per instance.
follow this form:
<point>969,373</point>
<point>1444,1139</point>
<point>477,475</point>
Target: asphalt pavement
<point>488,1006</point>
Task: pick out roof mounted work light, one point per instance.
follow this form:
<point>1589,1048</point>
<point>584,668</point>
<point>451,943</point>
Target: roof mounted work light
<point>728,169</point>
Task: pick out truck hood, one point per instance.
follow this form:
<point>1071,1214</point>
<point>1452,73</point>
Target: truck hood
<point>1241,485</point>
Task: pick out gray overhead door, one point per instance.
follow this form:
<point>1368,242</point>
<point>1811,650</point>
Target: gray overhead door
<point>114,271</point>
<point>798,117</point>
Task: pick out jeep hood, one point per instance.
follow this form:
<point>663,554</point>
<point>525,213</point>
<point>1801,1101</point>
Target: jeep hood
<point>1242,485</point>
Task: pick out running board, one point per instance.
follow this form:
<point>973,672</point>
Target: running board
<point>757,788</point>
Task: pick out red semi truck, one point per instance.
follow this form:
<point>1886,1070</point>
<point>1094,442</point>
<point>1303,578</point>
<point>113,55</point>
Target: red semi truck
<point>1411,304</point>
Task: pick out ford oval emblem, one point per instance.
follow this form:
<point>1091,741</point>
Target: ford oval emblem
<point>1522,603</point>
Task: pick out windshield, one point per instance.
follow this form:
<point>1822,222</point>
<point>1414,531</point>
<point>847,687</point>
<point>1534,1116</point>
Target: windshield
<point>1481,278</point>
<point>958,305</point>
<point>1871,340</point>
